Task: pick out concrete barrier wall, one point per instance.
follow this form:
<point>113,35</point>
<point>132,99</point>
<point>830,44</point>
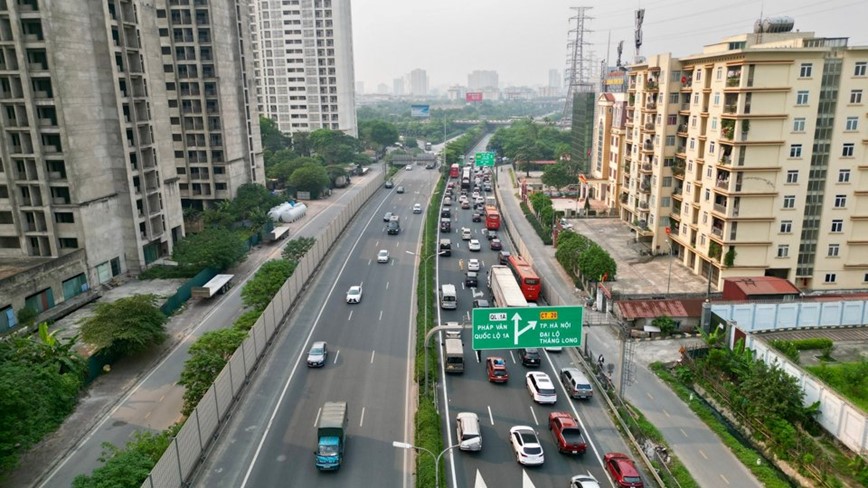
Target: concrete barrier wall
<point>842,419</point>
<point>766,317</point>
<point>188,448</point>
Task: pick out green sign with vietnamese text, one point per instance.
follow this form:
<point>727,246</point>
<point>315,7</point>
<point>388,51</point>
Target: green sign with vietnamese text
<point>484,159</point>
<point>512,328</point>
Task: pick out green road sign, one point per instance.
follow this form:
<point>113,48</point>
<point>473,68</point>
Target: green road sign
<point>511,328</point>
<point>484,159</point>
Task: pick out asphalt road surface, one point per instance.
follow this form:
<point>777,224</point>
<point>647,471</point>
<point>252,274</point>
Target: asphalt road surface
<point>271,438</point>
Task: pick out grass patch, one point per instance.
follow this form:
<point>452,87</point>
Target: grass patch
<point>162,272</point>
<point>848,379</point>
<point>766,474</point>
<point>428,426</point>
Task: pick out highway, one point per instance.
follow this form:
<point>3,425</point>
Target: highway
<point>501,406</point>
<point>271,437</point>
<point>155,402</point>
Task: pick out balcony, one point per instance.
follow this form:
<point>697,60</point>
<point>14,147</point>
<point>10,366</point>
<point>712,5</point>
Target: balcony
<point>733,80</point>
<point>717,232</point>
<point>649,127</point>
<point>643,206</point>
<point>725,159</point>
<point>651,85</point>
<point>678,170</point>
<point>722,184</point>
<point>686,82</point>
<point>645,188</point>
<point>730,108</point>
<point>651,105</point>
<point>645,168</point>
<point>721,209</point>
<point>682,128</point>
<point>647,146</point>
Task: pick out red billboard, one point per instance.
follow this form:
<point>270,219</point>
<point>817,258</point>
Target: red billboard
<point>473,97</point>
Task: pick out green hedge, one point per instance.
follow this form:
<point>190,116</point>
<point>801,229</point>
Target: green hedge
<point>545,236</point>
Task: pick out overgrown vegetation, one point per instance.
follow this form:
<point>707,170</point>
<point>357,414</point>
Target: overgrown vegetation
<point>210,353</point>
<point>534,222</point>
<point>849,379</point>
<point>583,259</point>
<point>127,326</point>
<point>212,248</point>
<point>527,141</point>
<point>454,150</point>
<point>769,403</point>
<point>791,348</point>
<point>40,378</point>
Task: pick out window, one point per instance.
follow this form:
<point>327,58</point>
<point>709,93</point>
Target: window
<point>717,99</point>
<point>840,201</point>
<point>692,143</point>
<point>665,202</point>
<point>802,97</point>
<point>834,249</point>
<point>707,197</point>
<point>837,225</point>
<point>64,217</point>
<point>667,181</point>
<point>792,176</point>
<point>799,125</point>
<point>860,68</point>
<point>696,98</point>
<point>670,140</point>
<point>865,278</point>
<point>672,120</point>
<point>68,243</point>
<point>855,96</point>
<point>711,147</point>
<point>693,121</point>
<point>847,150</point>
<point>805,70</point>
<point>852,123</point>
<point>795,150</point>
<point>790,201</point>
<point>786,226</point>
<point>783,250</point>
<point>719,73</point>
<point>708,172</point>
<point>698,75</point>
<point>714,122</point>
<point>844,176</point>
<point>831,278</point>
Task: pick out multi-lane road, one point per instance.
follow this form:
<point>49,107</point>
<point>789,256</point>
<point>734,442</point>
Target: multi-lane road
<point>271,438</point>
<point>501,406</point>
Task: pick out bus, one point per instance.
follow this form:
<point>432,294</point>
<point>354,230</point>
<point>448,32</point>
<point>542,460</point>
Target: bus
<point>453,171</point>
<point>527,278</point>
<point>492,218</point>
<point>504,289</point>
<point>465,178</point>
<point>454,356</point>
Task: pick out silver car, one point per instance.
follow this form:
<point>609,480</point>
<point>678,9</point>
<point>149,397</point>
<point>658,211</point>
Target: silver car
<point>316,357</point>
<point>354,294</point>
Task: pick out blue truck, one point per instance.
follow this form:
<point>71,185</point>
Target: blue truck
<point>331,436</point>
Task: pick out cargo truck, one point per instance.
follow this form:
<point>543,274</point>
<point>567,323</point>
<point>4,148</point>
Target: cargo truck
<point>331,436</point>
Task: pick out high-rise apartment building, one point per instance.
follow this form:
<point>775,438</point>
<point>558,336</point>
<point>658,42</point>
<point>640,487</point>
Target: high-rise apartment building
<point>752,154</point>
<point>114,113</point>
<point>305,77</point>
<point>482,79</point>
<point>609,143</point>
<point>554,79</point>
<point>418,83</point>
<point>398,87</point>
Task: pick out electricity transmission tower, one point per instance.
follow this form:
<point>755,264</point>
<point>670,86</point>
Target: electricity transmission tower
<point>577,75</point>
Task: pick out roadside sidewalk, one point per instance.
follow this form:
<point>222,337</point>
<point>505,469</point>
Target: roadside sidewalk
<point>110,389</point>
<point>707,459</point>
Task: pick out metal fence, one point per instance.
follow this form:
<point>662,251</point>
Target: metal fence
<point>188,448</point>
<point>181,296</point>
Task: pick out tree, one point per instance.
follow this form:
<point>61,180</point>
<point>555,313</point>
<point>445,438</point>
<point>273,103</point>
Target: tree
<point>310,178</point>
<point>558,176</point>
<point>665,324</point>
<point>131,465</point>
<point>259,291</point>
<point>335,171</point>
<point>296,248</point>
<point>251,200</point>
<point>333,146</point>
<point>411,142</point>
<point>211,248</point>
<point>596,262</point>
<point>272,139</point>
<point>378,134</point>
<point>208,355</point>
<point>128,326</point>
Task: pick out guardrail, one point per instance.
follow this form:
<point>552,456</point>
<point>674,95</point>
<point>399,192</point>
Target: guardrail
<point>187,449</point>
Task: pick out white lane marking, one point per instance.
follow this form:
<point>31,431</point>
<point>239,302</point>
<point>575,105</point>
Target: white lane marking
<point>682,432</point>
<point>649,395</point>
<point>479,482</point>
<point>381,315</point>
<point>316,420</point>
<point>701,453</point>
<point>370,261</point>
<point>387,285</point>
<point>724,479</point>
<point>336,357</point>
<point>372,356</point>
<point>665,412</point>
<point>490,416</point>
<point>525,480</point>
<point>535,421</point>
<point>351,316</point>
<point>258,451</point>
<point>362,420</point>
<point>511,356</point>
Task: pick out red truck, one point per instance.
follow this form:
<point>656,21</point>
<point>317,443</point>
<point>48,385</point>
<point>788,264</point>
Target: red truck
<point>566,433</point>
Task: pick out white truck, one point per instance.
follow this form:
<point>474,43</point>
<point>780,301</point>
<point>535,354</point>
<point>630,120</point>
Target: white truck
<point>218,284</point>
<point>504,289</point>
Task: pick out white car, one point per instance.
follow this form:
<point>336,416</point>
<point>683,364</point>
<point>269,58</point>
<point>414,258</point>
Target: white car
<point>409,167</point>
<point>354,294</point>
<point>526,446</point>
<point>474,245</point>
<point>584,481</point>
<point>473,264</point>
<point>417,208</point>
<point>540,387</point>
<point>465,233</point>
<point>383,256</point>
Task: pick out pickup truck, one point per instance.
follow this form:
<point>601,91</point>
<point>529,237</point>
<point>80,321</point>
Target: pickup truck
<point>566,433</point>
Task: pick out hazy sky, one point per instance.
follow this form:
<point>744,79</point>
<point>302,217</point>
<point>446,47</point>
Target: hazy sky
<point>523,39</point>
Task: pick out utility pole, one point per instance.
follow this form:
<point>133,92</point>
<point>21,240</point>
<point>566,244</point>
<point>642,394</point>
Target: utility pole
<point>577,75</point>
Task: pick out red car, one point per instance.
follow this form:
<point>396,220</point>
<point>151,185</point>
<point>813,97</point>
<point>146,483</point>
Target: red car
<point>567,434</point>
<point>496,369</point>
<point>622,470</point>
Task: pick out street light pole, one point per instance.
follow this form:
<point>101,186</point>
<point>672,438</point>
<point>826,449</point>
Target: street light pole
<point>405,445</point>
<point>669,279</point>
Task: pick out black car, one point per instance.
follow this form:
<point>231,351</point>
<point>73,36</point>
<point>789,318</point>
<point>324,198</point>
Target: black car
<point>477,217</point>
<point>481,303</point>
<point>400,189</point>
<point>529,356</point>
<point>491,234</point>
<point>495,244</point>
<point>445,213</point>
<point>471,279</point>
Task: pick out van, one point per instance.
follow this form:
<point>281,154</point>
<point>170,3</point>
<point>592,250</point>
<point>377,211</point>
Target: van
<point>468,433</point>
<point>445,225</point>
<point>448,297</point>
<point>454,356</point>
<point>576,383</point>
<point>445,247</point>
<point>394,225</point>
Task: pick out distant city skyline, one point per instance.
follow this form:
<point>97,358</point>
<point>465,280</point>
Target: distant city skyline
<point>450,39</point>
